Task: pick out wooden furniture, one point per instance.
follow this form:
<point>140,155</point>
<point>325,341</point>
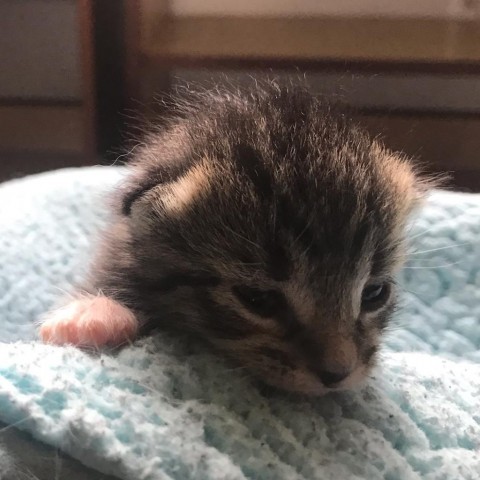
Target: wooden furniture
<point>159,46</point>
<point>47,98</point>
<point>357,44</point>
<point>47,101</point>
<point>129,52</point>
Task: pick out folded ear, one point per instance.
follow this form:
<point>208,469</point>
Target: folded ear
<point>154,166</point>
<point>135,190</point>
<point>408,181</point>
<point>422,186</point>
<point>177,195</point>
<point>168,188</point>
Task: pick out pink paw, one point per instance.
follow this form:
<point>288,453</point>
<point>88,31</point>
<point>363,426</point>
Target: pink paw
<point>90,321</point>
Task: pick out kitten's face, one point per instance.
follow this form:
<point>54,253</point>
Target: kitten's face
<point>276,236</point>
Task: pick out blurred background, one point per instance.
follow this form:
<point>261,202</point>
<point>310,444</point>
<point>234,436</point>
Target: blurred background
<point>74,74</point>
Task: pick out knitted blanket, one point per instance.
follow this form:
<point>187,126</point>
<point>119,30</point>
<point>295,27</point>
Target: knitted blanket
<point>168,408</point>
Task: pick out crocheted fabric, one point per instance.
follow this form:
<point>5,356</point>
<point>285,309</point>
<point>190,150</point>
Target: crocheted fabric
<point>167,408</point>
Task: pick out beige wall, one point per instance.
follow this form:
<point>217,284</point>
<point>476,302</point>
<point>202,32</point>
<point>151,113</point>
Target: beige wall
<point>409,8</point>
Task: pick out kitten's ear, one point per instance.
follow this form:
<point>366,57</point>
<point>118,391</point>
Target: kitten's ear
<point>409,179</point>
<point>425,184</point>
<point>134,190</point>
<point>145,176</point>
<point>167,192</point>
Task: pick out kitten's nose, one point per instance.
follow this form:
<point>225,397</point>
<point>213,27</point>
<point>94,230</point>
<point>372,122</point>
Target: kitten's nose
<point>331,378</point>
<point>337,361</point>
<point>333,360</point>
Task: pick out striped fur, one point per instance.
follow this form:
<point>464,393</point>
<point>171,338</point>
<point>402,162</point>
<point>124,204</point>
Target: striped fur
<point>255,219</point>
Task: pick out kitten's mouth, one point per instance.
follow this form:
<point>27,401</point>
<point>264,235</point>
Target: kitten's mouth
<point>306,383</point>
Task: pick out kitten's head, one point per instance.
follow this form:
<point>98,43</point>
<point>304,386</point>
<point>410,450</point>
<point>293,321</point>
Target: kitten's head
<point>273,226</point>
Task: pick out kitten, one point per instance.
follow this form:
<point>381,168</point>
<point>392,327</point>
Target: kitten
<point>263,221</point>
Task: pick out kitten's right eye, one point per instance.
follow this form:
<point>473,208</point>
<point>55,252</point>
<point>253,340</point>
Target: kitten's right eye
<point>266,303</point>
<point>375,296</point>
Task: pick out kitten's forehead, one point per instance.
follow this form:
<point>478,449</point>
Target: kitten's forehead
<point>273,184</point>
<point>316,225</point>
<point>293,212</point>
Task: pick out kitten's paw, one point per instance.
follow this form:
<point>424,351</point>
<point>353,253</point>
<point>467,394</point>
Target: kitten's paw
<point>90,321</point>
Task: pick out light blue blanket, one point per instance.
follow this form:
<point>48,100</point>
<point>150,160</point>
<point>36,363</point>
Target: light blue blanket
<point>168,409</point>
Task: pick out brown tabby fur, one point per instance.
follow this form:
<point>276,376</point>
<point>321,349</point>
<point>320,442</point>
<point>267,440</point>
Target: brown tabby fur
<point>269,189</point>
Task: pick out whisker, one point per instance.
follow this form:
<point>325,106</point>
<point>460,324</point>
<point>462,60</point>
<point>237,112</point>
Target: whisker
<point>435,225</point>
<point>15,424</point>
<point>440,248</point>
<point>413,237</point>
<point>401,287</point>
<point>127,154</point>
<point>275,215</point>
<point>256,245</point>
<point>307,226</point>
<point>73,435</point>
<point>434,266</point>
<point>65,292</point>
<point>26,474</point>
<point>246,263</point>
<point>58,465</point>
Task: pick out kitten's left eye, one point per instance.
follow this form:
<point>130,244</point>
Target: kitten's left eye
<point>375,295</point>
<point>265,303</point>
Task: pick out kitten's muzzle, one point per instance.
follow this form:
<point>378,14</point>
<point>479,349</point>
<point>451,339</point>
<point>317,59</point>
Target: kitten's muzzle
<point>330,379</point>
<point>334,361</point>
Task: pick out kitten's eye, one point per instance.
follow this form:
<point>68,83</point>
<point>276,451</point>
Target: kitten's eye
<point>375,296</point>
<point>264,303</point>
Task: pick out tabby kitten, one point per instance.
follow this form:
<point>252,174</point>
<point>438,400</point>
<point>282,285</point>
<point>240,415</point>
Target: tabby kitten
<point>264,221</point>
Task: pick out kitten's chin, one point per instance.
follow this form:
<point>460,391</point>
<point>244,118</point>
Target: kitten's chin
<point>304,383</point>
<point>299,382</point>
<point>355,379</point>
